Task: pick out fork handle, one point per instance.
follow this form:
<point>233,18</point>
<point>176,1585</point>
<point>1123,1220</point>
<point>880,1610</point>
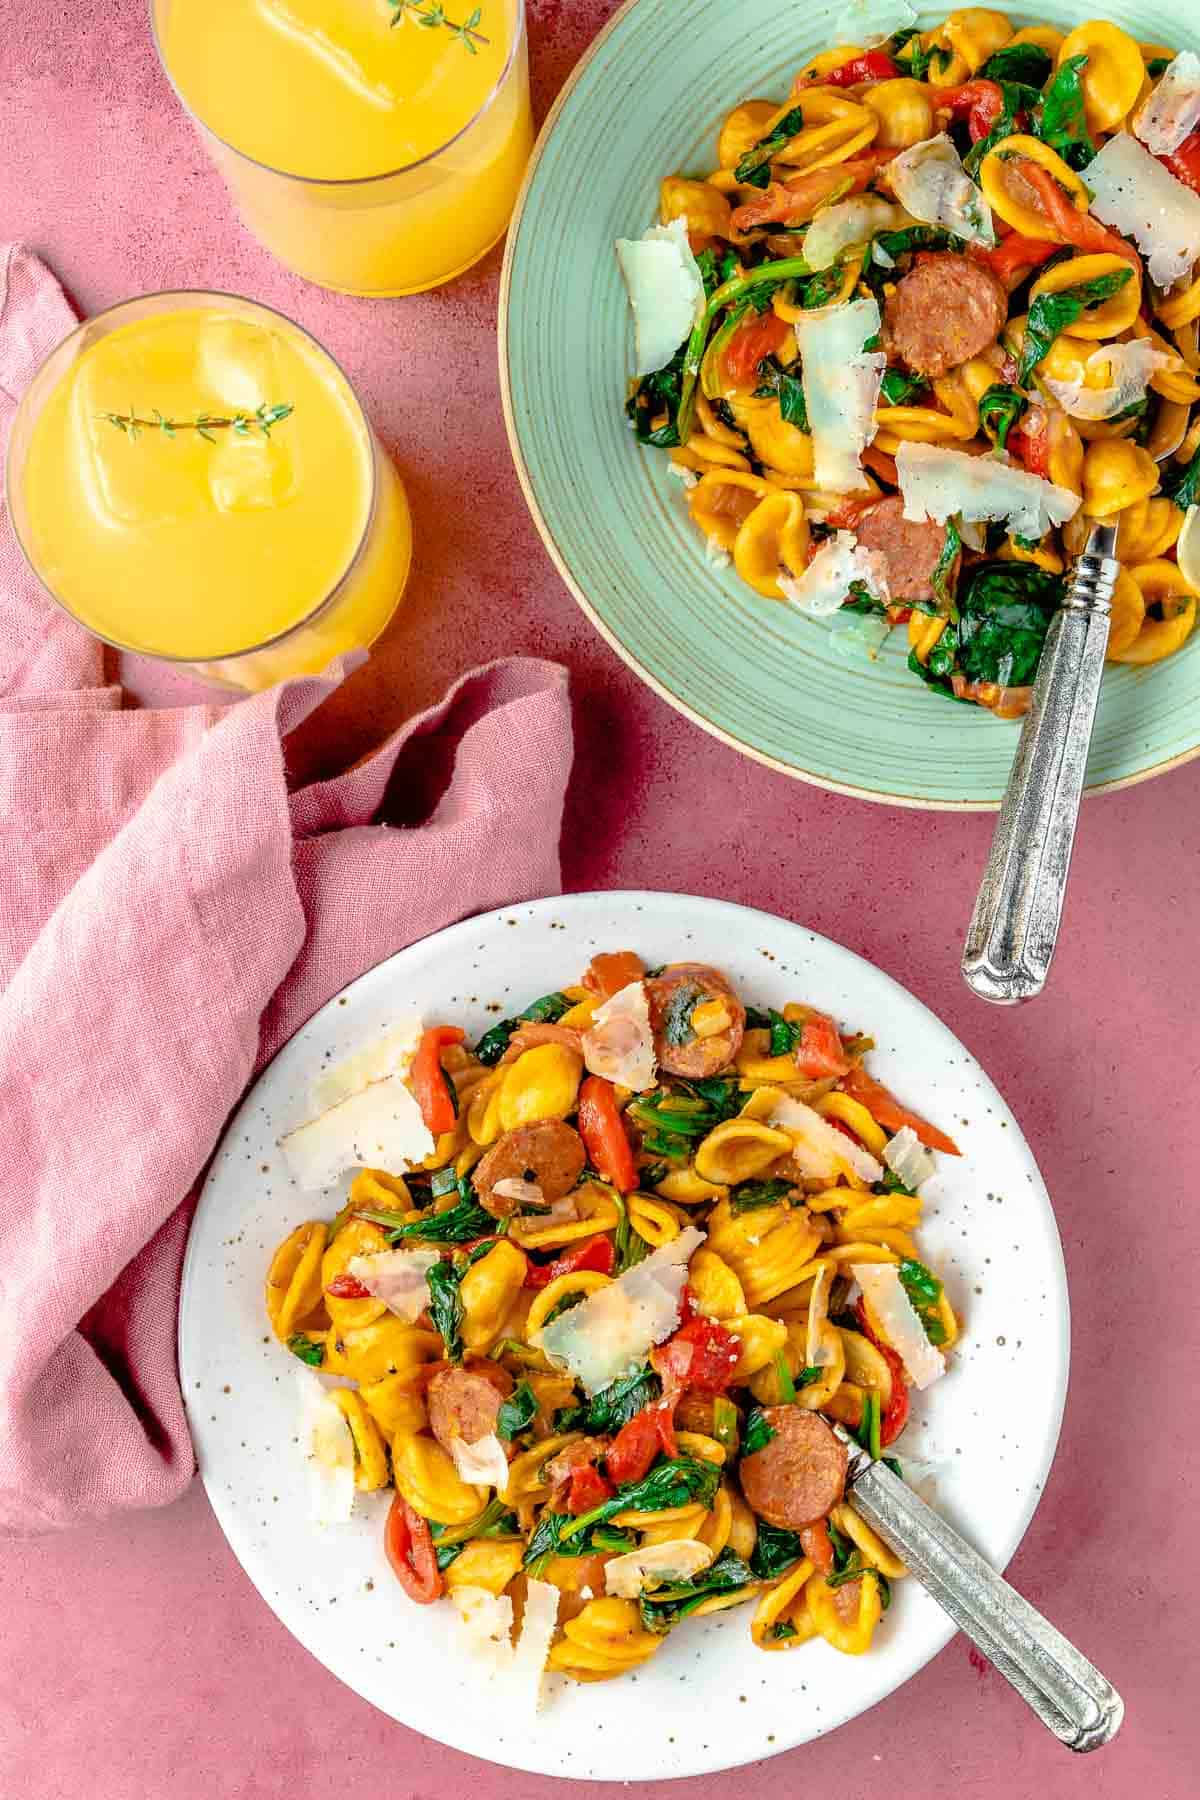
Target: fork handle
<point>1069,1695</point>
<point>1014,928</point>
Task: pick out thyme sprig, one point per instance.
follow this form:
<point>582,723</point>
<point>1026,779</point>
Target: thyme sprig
<point>431,14</point>
<point>241,424</point>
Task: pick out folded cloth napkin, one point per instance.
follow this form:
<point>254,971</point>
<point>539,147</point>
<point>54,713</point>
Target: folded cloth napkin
<point>169,914</point>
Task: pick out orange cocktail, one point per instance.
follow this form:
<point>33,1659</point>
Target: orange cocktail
<point>375,146</point>
<point>191,476</point>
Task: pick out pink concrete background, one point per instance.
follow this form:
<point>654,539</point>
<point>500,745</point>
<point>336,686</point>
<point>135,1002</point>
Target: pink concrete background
<point>137,1659</point>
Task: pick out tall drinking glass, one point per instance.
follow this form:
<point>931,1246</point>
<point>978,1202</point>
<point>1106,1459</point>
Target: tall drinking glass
<point>374,146</point>
<point>191,476</point>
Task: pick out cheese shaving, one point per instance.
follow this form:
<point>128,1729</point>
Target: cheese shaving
<point>907,1158</point>
<point>930,182</point>
<point>533,1645</point>
<point>818,1351</point>
<point>819,1150</point>
<point>326,1441</point>
<point>1129,366</point>
<point>391,1054</point>
<point>666,292</point>
<point>612,1332</point>
<point>841,388</point>
<point>1139,197</point>
<point>619,1045</point>
<point>679,1559</point>
<point>854,221</point>
<point>898,1321</point>
<point>398,1278</point>
<point>482,1464</point>
<point>826,582</point>
<point>379,1128</point>
<point>487,1620</point>
<point>937,482</point>
<point>525,1193</point>
<point>871,22</point>
<point>1172,111</point>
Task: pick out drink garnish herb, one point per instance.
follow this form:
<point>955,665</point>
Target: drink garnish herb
<point>241,424</point>
<point>431,14</point>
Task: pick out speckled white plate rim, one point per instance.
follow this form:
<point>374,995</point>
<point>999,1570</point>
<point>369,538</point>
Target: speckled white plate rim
<point>729,1703</point>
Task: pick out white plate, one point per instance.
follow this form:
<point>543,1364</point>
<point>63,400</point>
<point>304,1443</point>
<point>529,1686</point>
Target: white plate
<point>708,1700</point>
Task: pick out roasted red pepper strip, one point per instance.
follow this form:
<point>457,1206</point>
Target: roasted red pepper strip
<point>588,1488</point>
<point>603,1131</point>
<point>1184,163</point>
<point>1016,252</point>
<point>430,1082</point>
<point>887,1111</point>
<point>701,1355</point>
<point>895,1414</point>
<point>753,339</point>
<point>1030,442</point>
<point>817,1545</point>
<point>819,1052</point>
<point>593,1253</point>
<point>613,970</point>
<point>873,65</point>
<point>410,1551</point>
<point>979,102</point>
<point>347,1287</point>
<point>636,1445</point>
<point>1075,227</point>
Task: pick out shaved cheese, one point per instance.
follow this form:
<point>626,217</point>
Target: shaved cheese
<point>826,582</point>
<point>611,1333</point>
<point>533,1645</point>
<point>398,1278</point>
<point>818,1351</point>
<point>871,22</point>
<point>907,1158</point>
<point>482,1464</point>
<point>841,388</point>
<point>1187,550</point>
<point>854,221</point>
<point>1129,366</point>
<point>392,1054</point>
<point>619,1045</point>
<point>1137,196</point>
<point>897,1318</point>
<point>882,255</point>
<point>715,553</point>
<point>525,1193</point>
<point>488,1621</point>
<point>818,1148</point>
<point>666,292</point>
<point>326,1441</point>
<point>1172,111</point>
<point>379,1128</point>
<point>677,1560</point>
<point>930,182</point>
<point>936,482</point>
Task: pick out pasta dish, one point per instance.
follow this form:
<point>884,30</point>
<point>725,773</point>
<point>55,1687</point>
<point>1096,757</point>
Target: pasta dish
<point>601,1290</point>
<point>929,318</point>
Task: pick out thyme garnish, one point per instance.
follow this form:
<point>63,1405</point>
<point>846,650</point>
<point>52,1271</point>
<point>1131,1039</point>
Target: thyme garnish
<point>431,14</point>
<point>241,424</point>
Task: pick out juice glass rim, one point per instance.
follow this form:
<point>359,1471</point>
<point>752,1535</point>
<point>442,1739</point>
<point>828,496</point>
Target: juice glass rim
<point>192,295</point>
<point>343,181</point>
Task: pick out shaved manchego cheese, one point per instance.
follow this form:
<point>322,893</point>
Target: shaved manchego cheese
<point>937,482</point>
<point>379,1127</point>
<point>818,1351</point>
<point>819,1149</point>
<point>1135,194</point>
<point>666,292</point>
<point>899,1321</point>
<point>826,582</point>
<point>1172,111</point>
<point>613,1330</point>
<point>841,388</point>
<point>619,1045</point>
<point>482,1464</point>
<point>398,1278</point>
<point>1129,367</point>
<point>677,1560</point>
<point>327,1442</point>
<point>854,221</point>
<point>930,182</point>
<point>391,1054</point>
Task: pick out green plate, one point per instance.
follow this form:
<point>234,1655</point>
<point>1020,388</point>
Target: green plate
<point>646,101</point>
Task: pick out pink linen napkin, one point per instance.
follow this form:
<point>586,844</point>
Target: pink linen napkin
<point>169,914</point>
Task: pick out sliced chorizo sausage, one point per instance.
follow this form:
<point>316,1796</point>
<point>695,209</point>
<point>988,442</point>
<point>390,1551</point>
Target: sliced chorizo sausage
<point>550,1153</point>
<point>579,1455</point>
<point>674,996</point>
<point>910,548</point>
<point>944,311</point>
<point>528,1037</point>
<point>796,1478</point>
<point>462,1406</point>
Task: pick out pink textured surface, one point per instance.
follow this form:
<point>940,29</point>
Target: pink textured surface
<point>138,1655</point>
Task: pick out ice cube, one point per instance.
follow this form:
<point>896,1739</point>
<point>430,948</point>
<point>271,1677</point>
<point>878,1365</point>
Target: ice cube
<point>250,471</point>
<point>237,366</point>
<point>129,480</point>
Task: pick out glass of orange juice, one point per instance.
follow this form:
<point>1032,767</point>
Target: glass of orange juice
<point>191,476</point>
<point>374,146</point>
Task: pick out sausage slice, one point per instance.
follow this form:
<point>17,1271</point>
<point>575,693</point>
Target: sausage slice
<point>795,1479</point>
<point>462,1406</point>
<point>550,1153</point>
<point>944,311</point>
<point>910,548</point>
<point>674,996</point>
